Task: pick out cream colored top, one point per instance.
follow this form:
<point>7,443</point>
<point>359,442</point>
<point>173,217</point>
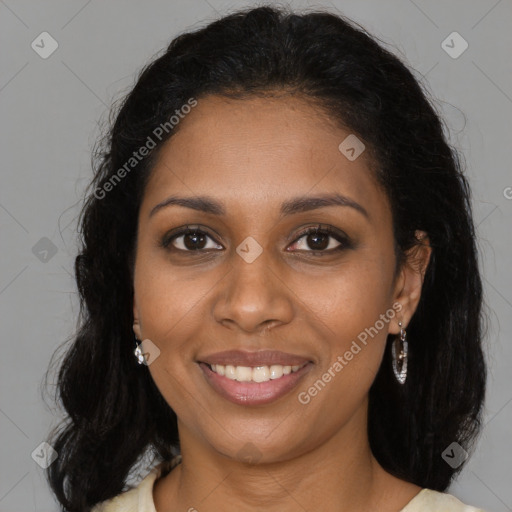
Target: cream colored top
<point>140,498</point>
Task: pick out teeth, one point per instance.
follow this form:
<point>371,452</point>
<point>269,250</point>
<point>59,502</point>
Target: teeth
<point>243,373</point>
<point>254,374</point>
<point>230,372</point>
<point>260,374</point>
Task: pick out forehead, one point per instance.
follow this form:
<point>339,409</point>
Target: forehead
<point>247,151</point>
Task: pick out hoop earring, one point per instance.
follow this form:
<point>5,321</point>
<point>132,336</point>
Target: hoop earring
<point>399,351</point>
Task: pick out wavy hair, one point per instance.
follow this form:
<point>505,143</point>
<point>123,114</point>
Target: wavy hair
<point>114,411</point>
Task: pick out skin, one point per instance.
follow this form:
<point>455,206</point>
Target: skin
<point>251,155</point>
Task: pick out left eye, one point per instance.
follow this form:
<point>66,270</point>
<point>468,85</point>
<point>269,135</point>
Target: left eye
<point>322,240</point>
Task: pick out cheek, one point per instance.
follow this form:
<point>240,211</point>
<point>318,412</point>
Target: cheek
<point>346,306</point>
<point>352,295</point>
<point>169,299</point>
<point>170,310</point>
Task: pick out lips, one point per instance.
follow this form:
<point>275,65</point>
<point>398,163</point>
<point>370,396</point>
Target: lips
<point>260,358</point>
<point>254,392</point>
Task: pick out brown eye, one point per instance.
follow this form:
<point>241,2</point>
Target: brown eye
<point>190,240</point>
<point>318,239</point>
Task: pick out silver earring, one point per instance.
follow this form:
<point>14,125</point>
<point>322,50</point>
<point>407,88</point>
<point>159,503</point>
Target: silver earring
<point>399,350</point>
<point>138,352</point>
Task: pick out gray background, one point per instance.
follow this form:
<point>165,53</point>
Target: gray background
<point>50,109</point>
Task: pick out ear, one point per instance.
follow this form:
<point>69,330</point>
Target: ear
<point>409,282</point>
<point>136,322</point>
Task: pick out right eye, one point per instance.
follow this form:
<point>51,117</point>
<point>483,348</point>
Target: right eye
<point>189,240</point>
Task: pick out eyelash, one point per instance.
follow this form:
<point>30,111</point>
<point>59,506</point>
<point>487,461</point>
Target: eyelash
<point>344,241</point>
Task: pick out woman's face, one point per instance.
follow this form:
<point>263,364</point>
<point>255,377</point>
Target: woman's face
<point>252,281</point>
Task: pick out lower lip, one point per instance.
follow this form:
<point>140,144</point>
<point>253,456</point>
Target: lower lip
<point>253,393</point>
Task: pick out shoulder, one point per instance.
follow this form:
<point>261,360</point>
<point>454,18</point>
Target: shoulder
<point>131,500</point>
<point>428,500</point>
<point>139,497</point>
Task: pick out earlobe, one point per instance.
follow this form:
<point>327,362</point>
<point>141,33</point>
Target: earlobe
<point>136,323</point>
<point>136,330</point>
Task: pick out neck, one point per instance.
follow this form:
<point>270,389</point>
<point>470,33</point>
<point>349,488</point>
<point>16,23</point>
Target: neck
<point>341,474</point>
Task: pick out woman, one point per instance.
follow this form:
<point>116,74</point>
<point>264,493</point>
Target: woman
<point>281,298</point>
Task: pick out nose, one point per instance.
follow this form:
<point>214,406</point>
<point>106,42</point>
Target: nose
<point>253,297</point>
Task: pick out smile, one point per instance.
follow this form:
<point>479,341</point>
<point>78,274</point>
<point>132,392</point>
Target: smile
<point>257,385</point>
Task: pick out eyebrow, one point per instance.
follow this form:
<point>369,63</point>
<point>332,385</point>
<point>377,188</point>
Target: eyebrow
<point>295,205</point>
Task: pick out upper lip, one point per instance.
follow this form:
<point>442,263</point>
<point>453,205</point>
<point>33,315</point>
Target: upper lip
<point>260,358</point>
